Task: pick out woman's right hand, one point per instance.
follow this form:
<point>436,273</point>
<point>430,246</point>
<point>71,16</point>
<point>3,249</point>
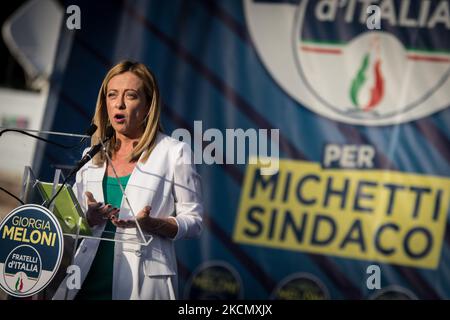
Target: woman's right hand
<point>97,213</point>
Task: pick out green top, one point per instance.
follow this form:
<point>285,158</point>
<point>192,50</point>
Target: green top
<point>98,283</point>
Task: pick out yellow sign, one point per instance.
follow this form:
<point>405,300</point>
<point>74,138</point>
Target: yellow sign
<point>374,215</point>
<point>40,231</point>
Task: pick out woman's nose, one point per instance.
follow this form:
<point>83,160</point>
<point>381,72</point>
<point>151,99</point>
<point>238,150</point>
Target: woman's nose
<point>120,102</point>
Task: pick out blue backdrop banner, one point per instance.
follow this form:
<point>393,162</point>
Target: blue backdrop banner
<point>360,97</point>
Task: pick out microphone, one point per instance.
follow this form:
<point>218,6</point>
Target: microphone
<point>89,132</point>
<point>93,151</point>
<point>88,156</point>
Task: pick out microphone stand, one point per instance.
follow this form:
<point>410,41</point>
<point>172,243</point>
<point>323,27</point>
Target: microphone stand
<point>80,164</point>
<point>89,132</point>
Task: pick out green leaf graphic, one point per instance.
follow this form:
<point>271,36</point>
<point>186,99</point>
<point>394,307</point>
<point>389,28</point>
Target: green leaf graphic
<point>359,80</point>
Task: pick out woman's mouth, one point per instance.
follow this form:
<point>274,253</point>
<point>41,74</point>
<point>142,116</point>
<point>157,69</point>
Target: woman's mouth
<point>119,118</point>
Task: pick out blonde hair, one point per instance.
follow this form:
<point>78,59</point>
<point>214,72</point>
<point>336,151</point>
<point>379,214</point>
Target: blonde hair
<point>152,123</point>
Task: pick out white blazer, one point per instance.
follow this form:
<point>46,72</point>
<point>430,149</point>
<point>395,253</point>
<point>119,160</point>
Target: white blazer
<point>169,183</point>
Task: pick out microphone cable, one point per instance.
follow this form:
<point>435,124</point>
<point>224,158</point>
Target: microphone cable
<point>12,195</point>
<point>89,132</point>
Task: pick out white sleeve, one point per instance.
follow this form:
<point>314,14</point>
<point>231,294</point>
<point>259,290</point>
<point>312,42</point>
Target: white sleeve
<point>187,194</point>
<point>78,186</point>
<point>78,190</point>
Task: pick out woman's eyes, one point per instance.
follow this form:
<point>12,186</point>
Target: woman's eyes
<point>128,95</point>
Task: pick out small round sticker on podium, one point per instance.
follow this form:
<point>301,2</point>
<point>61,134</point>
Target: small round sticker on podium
<point>31,248</point>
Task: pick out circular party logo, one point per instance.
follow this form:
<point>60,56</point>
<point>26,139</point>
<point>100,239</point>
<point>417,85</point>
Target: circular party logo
<point>214,280</point>
<point>31,248</point>
<point>393,292</point>
<point>300,286</point>
<point>324,55</point>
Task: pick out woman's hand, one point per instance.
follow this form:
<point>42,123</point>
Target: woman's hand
<point>166,227</point>
<point>141,217</point>
<point>97,213</point>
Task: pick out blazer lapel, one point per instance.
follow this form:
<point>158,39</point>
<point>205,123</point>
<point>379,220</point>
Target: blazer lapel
<point>95,176</point>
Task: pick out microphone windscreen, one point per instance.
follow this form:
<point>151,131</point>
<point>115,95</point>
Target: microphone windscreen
<point>109,132</point>
<point>91,130</point>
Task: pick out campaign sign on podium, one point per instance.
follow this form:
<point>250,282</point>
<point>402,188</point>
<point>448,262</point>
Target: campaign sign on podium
<point>40,238</point>
<point>31,250</point>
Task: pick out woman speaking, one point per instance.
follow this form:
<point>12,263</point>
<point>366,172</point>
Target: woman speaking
<point>161,186</point>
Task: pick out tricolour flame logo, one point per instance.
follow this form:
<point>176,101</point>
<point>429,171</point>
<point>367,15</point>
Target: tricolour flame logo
<point>19,284</point>
<point>360,80</point>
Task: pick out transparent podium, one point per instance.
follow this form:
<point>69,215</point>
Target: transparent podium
<point>36,166</point>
